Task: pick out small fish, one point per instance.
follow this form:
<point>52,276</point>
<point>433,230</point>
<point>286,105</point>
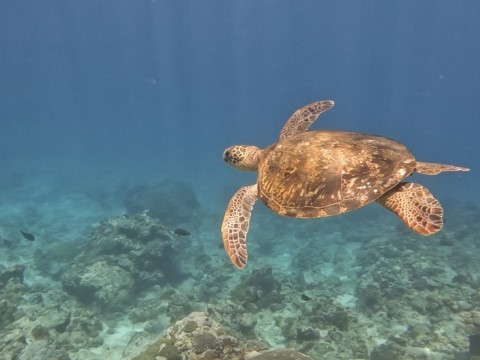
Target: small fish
<point>181,232</point>
<point>28,236</point>
<point>305,297</point>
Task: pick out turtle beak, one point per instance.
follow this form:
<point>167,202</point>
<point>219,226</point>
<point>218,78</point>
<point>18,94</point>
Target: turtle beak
<point>226,156</point>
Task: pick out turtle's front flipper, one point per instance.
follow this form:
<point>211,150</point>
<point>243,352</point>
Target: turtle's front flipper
<point>416,206</point>
<point>435,169</point>
<point>236,222</point>
<point>301,119</point>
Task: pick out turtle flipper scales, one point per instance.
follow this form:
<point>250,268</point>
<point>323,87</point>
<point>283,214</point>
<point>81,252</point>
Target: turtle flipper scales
<point>236,223</point>
<point>301,119</point>
<point>416,206</point>
<point>425,168</point>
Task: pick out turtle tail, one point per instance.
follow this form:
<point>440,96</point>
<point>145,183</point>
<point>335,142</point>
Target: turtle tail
<point>425,168</point>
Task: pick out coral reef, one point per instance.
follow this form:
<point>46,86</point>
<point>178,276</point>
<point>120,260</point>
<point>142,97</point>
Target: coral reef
<point>15,272</point>
<point>125,254</point>
<point>171,201</point>
<point>260,289</point>
<point>354,294</point>
<point>105,284</point>
<point>390,350</point>
<point>11,292</point>
<point>472,321</point>
<point>39,351</point>
<point>206,340</point>
<point>7,312</point>
<point>39,323</point>
<point>199,337</point>
<point>54,260</point>
<point>282,354</point>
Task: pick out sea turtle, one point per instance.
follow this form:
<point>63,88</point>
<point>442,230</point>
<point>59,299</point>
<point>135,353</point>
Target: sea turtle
<point>311,174</point>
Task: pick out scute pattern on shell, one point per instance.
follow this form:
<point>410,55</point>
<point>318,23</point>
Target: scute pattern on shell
<point>323,173</point>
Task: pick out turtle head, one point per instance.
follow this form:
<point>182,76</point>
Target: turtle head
<point>242,157</point>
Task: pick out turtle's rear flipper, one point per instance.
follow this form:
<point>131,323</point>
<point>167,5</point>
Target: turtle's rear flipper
<point>416,206</point>
<point>435,169</point>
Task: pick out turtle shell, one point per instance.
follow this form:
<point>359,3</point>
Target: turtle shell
<point>323,173</point>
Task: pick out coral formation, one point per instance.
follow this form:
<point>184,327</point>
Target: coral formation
<point>7,312</point>
<point>206,340</point>
<point>472,322</point>
<point>388,351</point>
<point>105,284</point>
<point>54,260</point>
<point>11,292</point>
<point>158,200</point>
<point>260,289</point>
<point>190,326</point>
<point>357,296</point>
<point>15,272</point>
<point>41,351</point>
<point>202,342</point>
<point>283,354</point>
<point>126,254</point>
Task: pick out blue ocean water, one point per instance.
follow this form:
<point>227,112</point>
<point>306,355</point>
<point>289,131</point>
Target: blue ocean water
<point>99,98</point>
